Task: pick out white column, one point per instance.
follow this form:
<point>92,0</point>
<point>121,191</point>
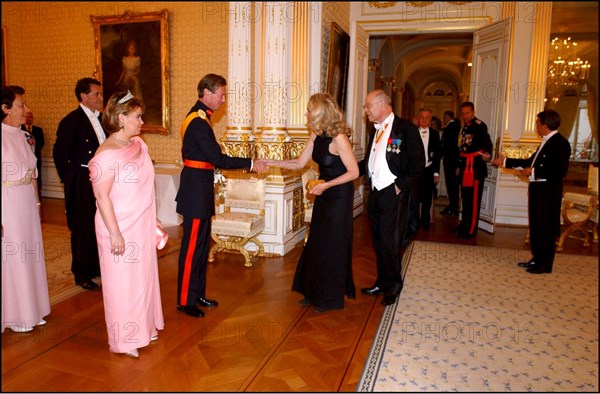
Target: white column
<point>239,109</point>
<point>277,32</point>
<point>238,139</point>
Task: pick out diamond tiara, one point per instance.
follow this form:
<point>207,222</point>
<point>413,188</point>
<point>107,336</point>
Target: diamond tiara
<point>126,98</point>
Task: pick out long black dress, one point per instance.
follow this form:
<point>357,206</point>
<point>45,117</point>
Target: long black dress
<point>324,271</point>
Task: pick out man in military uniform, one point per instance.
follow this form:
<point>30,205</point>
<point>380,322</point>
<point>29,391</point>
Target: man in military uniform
<point>475,150</point>
<point>195,199</point>
<point>451,155</point>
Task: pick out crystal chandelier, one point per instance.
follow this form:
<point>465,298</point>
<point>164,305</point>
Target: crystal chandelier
<point>566,71</point>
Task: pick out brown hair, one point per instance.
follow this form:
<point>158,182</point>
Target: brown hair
<point>326,116</point>
<point>9,94</point>
<point>110,117</point>
<point>211,82</point>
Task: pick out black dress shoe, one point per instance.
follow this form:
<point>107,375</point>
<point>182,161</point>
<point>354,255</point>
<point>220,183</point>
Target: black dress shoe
<point>375,290</point>
<point>529,264</point>
<point>207,303</point>
<point>304,301</point>
<point>538,270</point>
<point>190,310</point>
<point>88,284</point>
<point>389,299</point>
<point>448,211</point>
<point>320,309</point>
<point>465,235</point>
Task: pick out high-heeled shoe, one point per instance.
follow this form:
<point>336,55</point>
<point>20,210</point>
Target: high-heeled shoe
<point>132,353</point>
<point>154,338</point>
<point>21,328</point>
<point>41,322</point>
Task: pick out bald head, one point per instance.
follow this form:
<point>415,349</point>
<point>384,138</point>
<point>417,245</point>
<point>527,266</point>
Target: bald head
<point>378,106</point>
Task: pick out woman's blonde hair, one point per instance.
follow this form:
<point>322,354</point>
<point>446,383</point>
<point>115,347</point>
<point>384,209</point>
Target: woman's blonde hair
<point>326,117</point>
<point>114,108</point>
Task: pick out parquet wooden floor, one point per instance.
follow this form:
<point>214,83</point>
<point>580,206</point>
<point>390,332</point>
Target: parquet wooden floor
<point>258,338</point>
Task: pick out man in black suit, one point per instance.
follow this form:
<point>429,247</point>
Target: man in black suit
<point>395,161</point>
<point>451,155</point>
<point>546,170</point>
<point>475,150</point>
<point>78,136</point>
<point>431,174</point>
<point>37,134</point>
<point>195,199</point>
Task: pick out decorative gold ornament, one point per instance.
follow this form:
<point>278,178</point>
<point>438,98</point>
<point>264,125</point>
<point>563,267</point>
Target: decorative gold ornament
<point>298,210</point>
<point>382,4</point>
<point>297,147</point>
<point>238,148</point>
<point>419,4</point>
<point>278,150</point>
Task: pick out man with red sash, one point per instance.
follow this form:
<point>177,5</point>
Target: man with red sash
<point>195,199</point>
<point>475,150</point>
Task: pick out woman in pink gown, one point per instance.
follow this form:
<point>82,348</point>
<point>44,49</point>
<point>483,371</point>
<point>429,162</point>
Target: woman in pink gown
<point>25,299</point>
<point>122,177</point>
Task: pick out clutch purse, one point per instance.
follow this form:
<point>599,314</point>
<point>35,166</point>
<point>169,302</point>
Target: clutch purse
<point>161,237</point>
<point>312,183</point>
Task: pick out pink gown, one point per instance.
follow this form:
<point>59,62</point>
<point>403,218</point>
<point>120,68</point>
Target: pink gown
<point>25,299</point>
<point>132,304</point>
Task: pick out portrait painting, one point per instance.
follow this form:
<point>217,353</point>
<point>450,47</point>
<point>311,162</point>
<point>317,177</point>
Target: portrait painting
<point>337,65</point>
<point>132,54</point>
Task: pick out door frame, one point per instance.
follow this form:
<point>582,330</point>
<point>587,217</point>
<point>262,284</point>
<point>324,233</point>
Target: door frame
<point>361,30</point>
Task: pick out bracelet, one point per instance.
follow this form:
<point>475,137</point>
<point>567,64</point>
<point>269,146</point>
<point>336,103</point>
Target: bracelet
<point>114,234</point>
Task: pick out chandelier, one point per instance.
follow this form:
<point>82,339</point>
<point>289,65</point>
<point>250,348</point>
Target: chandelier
<point>566,71</point>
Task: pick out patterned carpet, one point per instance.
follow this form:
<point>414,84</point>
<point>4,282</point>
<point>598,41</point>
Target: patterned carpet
<point>469,319</point>
<point>57,250</point>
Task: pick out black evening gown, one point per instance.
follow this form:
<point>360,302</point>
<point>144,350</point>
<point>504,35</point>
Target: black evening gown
<point>324,271</point>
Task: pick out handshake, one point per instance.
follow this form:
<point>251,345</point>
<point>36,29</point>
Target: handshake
<point>260,165</point>
<point>263,165</point>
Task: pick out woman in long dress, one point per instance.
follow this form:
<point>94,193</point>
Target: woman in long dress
<point>25,299</point>
<point>122,177</point>
<point>324,271</point>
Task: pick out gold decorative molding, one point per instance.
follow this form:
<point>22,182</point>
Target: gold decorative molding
<point>522,149</point>
<point>298,210</point>
<point>382,4</point>
<point>275,130</point>
<point>239,128</point>
<point>296,149</point>
<point>244,149</point>
<point>276,150</point>
<point>419,4</point>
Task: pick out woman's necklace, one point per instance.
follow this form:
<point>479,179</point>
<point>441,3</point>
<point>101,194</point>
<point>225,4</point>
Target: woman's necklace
<point>122,142</point>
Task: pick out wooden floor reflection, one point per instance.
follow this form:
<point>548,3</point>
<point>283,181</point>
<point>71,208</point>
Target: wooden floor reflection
<point>258,338</point>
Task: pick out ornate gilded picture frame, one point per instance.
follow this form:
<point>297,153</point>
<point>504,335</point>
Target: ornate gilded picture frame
<point>337,64</point>
<point>3,40</point>
<point>132,54</point>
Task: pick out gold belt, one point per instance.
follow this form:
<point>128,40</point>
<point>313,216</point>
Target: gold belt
<point>24,181</point>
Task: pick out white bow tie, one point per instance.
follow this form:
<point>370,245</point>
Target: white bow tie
<point>379,126</point>
<point>423,130</point>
